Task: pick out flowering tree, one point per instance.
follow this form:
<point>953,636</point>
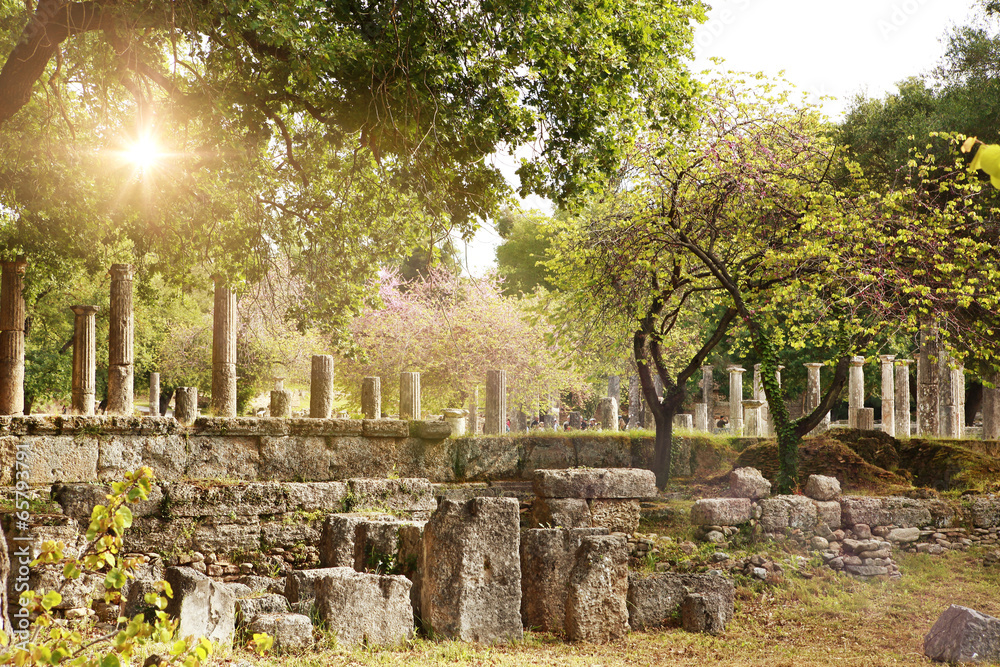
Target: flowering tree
<point>452,330</point>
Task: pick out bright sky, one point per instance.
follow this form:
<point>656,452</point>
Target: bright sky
<point>825,48</point>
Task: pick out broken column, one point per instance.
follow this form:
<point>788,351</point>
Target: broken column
<point>888,395</point>
<point>607,414</point>
<point>901,402</point>
<point>928,400</point>
<point>598,585</point>
<point>186,404</point>
<point>635,411</point>
<point>471,585</point>
<point>496,403</point>
<point>281,400</point>
<point>154,394</point>
<point>12,337</point>
<point>474,412</point>
<point>121,357</point>
<point>84,359</point>
<point>409,395</point>
<point>321,387</point>
<point>706,386</point>
<point>736,399</point>
<point>814,393</point>
<point>371,397</point>
<point>701,417</point>
<point>949,401</point>
<point>615,387</point>
<point>991,408</point>
<point>751,418</point>
<point>224,350</point>
<point>856,391</point>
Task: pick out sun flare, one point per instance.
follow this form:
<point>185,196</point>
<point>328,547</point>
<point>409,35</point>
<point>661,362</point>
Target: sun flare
<point>144,152</point>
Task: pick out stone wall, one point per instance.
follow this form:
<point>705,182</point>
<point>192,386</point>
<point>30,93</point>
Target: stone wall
<point>101,449</point>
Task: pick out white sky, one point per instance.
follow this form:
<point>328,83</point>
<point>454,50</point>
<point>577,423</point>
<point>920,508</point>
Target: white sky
<point>834,49</point>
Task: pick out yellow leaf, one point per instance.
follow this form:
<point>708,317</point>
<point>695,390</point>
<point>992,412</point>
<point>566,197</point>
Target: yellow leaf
<point>969,143</point>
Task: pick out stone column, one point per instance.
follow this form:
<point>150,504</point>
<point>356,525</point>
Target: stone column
<point>224,350</point>
<point>84,359</point>
<point>707,384</point>
<point>574,420</point>
<point>635,412</point>
<point>928,380</point>
<point>958,384</point>
<point>683,420</point>
<point>520,421</point>
<point>751,416</point>
<point>474,412</point>
<point>701,417</point>
<point>856,391</point>
<point>736,399</point>
<point>281,404</point>
<point>121,357</point>
<point>321,387</point>
<point>154,394</point>
<point>948,421</point>
<point>371,397</point>
<point>866,419</point>
<point>991,408</point>
<point>814,391</point>
<point>409,395</point>
<point>757,393</point>
<point>12,337</point>
<point>496,402</point>
<point>186,404</point>
<point>888,395</point>
<point>615,387</point>
<point>607,414</point>
<point>901,402</point>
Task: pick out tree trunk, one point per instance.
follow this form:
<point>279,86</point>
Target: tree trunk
<point>662,447</point>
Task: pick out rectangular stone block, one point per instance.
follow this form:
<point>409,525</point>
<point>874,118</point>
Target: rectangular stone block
<point>385,428</point>
<point>471,586</point>
<point>363,542</point>
<point>204,608</point>
<point>829,513</point>
<point>618,516</point>
<point>414,494</point>
<point>986,512</point>
<point>430,429</point>
<point>595,483</point>
<point>963,635</point>
<point>560,513</point>
<point>300,585</point>
<point>362,608</point>
<point>889,511</point>
<point>653,600</point>
<point>598,584</point>
<point>721,511</point>
<point>780,512</point>
<point>547,557</point>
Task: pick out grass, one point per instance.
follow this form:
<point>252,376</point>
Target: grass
<point>828,619</point>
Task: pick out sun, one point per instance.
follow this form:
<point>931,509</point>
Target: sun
<point>144,152</point>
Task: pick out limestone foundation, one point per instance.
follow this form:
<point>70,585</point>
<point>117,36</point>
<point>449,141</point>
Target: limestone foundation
<point>12,338</point>
<point>321,387</point>
<point>409,395</point>
<point>888,395</point>
<point>224,351</point>
<point>496,402</point>
<point>84,359</point>
<point>186,404</point>
<point>901,403</point>
<point>121,356</point>
<point>371,397</point>
<point>154,394</point>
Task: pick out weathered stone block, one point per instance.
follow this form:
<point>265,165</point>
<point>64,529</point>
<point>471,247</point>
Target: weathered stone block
<point>890,511</point>
<point>702,613</point>
<point>300,585</point>
<point>822,487</point>
<point>560,513</point>
<point>721,511</point>
<point>291,632</point>
<point>986,512</point>
<point>828,512</point>
<point>391,495</point>
<point>547,557</point>
<point>247,609</point>
<point>595,483</point>
<point>787,512</point>
<point>471,584</point>
<point>205,609</point>
<point>618,516</point>
<point>315,496</point>
<point>385,428</point>
<point>748,483</point>
<point>598,585</point>
<point>903,535</point>
<point>963,635</point>
<point>430,430</point>
<point>365,608</point>
<point>352,540</point>
<point>654,599</point>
